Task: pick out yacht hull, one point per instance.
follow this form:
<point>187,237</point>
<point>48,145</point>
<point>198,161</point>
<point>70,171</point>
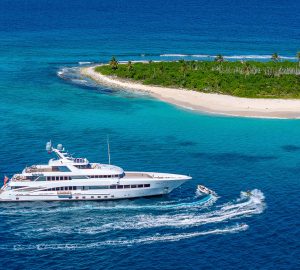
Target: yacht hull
<point>157,187</point>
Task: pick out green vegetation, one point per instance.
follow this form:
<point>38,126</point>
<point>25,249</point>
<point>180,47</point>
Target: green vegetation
<point>273,79</point>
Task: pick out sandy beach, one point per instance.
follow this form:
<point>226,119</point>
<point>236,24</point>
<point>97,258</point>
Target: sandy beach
<point>209,103</point>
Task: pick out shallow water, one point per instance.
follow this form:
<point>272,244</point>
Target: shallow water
<point>227,154</point>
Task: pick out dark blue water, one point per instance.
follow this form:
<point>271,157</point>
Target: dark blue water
<point>38,39</point>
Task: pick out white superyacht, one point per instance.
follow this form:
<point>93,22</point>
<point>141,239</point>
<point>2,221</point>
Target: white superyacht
<point>72,179</point>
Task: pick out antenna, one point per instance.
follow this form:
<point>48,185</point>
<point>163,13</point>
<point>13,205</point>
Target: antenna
<point>108,150</point>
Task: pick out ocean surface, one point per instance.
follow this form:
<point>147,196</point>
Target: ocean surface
<point>42,44</point>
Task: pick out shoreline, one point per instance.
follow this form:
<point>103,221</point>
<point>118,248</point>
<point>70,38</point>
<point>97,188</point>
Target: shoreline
<point>205,102</point>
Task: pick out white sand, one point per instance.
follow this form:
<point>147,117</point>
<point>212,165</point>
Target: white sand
<point>210,103</point>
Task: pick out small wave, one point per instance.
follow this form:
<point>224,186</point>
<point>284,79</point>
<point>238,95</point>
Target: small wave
<point>173,55</point>
<point>72,74</point>
<point>85,63</point>
<point>201,55</point>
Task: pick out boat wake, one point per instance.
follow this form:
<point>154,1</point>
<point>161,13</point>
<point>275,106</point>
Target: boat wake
<point>125,242</point>
<point>130,223</point>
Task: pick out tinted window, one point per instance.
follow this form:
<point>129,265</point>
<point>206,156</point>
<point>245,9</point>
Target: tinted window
<point>113,187</point>
<point>120,187</point>
<point>127,186</point>
<point>133,186</point>
<point>140,186</point>
<point>147,185</point>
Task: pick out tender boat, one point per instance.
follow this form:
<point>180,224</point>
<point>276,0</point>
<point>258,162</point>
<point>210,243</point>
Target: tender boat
<point>247,193</point>
<point>70,179</point>
<point>204,190</point>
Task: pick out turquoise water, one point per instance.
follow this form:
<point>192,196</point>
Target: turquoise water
<point>227,154</point>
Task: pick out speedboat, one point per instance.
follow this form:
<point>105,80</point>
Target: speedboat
<point>204,190</point>
<point>66,178</point>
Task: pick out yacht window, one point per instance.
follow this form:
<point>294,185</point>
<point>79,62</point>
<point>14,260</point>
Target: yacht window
<point>74,188</point>
<point>92,197</point>
<point>140,186</point>
<point>127,186</point>
<point>57,188</point>
<point>70,188</point>
<point>133,186</point>
<point>48,178</point>
<point>60,169</point>
<point>57,178</point>
<point>120,187</point>
<point>18,187</point>
<point>147,185</point>
<point>113,187</point>
<point>66,188</point>
<point>62,188</point>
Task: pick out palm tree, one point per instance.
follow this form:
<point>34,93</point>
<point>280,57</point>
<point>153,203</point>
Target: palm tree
<point>219,58</point>
<point>298,57</point>
<point>275,57</point>
<point>113,63</point>
<point>246,68</point>
<point>129,65</point>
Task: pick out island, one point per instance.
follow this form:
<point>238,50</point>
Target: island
<point>241,88</point>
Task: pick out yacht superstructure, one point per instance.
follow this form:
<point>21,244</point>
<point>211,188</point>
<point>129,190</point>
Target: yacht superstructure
<point>69,178</point>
